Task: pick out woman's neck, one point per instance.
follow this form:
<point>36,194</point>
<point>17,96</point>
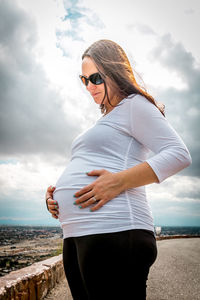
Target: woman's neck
<point>114,101</point>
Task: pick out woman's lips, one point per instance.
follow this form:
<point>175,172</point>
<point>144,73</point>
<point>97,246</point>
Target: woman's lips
<point>95,94</point>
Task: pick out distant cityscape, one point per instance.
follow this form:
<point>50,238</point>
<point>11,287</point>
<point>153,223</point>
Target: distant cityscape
<point>13,234</point>
<point>21,246</point>
<point>180,230</point>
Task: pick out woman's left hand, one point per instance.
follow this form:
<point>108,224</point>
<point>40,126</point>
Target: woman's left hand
<point>107,186</point>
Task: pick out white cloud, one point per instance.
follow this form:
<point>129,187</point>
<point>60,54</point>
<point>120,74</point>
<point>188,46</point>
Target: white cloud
<point>176,200</point>
<point>173,190</point>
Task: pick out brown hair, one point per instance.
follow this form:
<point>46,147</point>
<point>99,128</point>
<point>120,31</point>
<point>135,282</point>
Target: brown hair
<point>112,62</point>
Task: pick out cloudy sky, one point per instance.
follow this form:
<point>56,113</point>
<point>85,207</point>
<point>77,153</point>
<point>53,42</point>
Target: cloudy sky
<point>43,106</point>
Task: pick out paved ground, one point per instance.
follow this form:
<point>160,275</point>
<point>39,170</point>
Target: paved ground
<point>175,274</point>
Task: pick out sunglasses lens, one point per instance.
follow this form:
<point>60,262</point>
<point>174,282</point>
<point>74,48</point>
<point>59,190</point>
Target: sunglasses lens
<point>96,78</point>
<point>84,80</point>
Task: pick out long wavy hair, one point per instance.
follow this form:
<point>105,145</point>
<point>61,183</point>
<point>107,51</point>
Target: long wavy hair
<point>114,66</point>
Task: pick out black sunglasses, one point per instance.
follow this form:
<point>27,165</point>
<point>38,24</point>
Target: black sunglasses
<point>94,78</point>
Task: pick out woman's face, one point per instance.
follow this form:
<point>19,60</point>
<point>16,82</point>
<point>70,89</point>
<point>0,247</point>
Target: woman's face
<point>96,91</point>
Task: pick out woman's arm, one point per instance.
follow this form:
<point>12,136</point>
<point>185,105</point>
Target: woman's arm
<point>139,175</point>
<point>149,127</point>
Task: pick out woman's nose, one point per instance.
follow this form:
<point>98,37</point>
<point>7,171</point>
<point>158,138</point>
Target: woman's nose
<point>90,86</point>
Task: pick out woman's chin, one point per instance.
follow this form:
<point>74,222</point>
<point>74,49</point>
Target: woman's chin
<point>97,100</point>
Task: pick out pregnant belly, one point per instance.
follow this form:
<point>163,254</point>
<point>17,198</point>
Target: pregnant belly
<point>68,212</point>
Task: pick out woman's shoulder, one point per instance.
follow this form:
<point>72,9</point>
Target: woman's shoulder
<point>139,105</point>
<point>135,98</point>
<point>137,101</point>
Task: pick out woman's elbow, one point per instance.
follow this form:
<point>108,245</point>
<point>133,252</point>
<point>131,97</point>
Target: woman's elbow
<point>182,158</point>
<point>186,160</point>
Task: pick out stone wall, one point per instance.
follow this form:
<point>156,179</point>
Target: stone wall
<point>33,282</point>
<point>168,237</point>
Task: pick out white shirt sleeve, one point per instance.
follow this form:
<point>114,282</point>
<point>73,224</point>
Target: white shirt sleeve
<point>151,129</point>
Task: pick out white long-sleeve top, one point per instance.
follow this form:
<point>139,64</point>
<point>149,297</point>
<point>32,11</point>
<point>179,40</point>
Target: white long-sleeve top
<point>118,141</point>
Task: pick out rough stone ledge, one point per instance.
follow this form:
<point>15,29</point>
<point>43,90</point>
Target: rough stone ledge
<point>33,282</point>
<point>183,236</point>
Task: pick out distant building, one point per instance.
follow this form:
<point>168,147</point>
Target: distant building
<point>158,230</point>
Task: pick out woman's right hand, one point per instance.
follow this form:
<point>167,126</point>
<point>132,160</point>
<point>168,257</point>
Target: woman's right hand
<point>52,204</point>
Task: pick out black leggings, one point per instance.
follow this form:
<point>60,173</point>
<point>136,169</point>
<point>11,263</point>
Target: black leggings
<point>110,265</point>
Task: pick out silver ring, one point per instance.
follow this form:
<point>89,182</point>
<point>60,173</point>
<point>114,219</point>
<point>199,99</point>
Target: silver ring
<point>94,198</point>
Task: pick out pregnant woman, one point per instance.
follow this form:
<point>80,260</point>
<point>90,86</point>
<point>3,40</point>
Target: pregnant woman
<point>100,200</point>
